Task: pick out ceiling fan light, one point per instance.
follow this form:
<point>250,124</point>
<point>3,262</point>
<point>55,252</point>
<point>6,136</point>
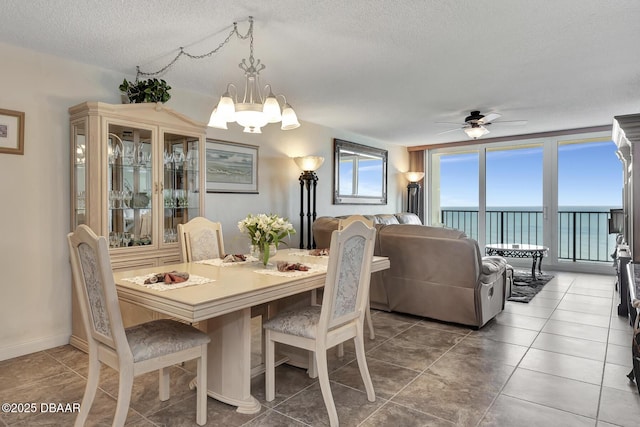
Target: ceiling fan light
<point>289,118</point>
<point>476,131</point>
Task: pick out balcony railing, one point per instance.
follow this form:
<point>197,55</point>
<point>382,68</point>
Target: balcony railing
<point>582,235</point>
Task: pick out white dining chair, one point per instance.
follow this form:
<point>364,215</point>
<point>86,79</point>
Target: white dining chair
<point>155,345</point>
<point>342,223</point>
<point>338,319</point>
<point>200,239</point>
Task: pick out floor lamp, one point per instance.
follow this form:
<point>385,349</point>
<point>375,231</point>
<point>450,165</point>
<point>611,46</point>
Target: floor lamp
<point>308,182</point>
<point>413,192</point>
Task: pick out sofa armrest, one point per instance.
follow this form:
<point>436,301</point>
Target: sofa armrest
<point>492,268</point>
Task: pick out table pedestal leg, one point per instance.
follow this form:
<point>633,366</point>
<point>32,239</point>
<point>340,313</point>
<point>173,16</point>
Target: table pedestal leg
<point>533,267</point>
<point>229,361</point>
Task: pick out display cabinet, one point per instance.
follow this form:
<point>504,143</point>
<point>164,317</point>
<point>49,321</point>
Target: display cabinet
<point>137,172</point>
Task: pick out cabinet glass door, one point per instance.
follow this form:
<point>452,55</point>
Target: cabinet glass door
<point>129,186</point>
<point>80,180</point>
<point>181,190</point>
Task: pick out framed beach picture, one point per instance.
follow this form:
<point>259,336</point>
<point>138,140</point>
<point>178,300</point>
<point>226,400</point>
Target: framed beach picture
<point>231,167</point>
<point>11,132</point>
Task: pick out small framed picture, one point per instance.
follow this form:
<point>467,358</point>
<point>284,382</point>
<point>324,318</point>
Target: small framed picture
<point>231,167</point>
<point>11,132</point>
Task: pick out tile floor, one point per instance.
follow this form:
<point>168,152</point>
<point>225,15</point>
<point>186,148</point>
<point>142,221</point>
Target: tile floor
<point>560,360</point>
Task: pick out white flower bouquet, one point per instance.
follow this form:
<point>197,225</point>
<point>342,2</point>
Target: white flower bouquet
<point>266,230</point>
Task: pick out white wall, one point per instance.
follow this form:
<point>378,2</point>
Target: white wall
<point>279,188</point>
<point>35,289</point>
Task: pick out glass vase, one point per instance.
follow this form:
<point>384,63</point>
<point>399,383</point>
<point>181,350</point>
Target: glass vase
<point>263,252</point>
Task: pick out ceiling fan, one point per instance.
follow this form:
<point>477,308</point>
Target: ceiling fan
<point>475,124</point>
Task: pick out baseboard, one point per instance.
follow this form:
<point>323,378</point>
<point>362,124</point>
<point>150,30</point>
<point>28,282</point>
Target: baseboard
<point>33,346</point>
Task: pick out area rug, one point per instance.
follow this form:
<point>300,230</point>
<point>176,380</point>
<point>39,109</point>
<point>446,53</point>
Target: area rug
<point>525,287</point>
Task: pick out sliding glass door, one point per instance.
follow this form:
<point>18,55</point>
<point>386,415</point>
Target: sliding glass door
<point>553,192</point>
<point>514,212</point>
<point>589,187</point>
<point>454,190</point>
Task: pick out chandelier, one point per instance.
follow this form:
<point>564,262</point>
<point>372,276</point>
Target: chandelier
<point>258,107</point>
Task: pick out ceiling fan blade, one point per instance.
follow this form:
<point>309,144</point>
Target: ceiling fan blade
<point>489,118</point>
<point>511,122</point>
<point>450,130</point>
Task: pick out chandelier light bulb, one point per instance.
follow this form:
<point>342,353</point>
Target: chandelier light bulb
<point>226,108</point>
<point>216,120</point>
<point>272,109</point>
<point>289,118</point>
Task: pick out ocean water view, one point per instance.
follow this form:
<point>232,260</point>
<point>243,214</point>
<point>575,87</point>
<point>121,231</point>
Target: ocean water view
<point>583,231</point>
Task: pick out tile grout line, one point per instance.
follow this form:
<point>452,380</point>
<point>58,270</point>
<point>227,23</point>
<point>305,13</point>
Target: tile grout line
<point>500,392</point>
<point>419,373</point>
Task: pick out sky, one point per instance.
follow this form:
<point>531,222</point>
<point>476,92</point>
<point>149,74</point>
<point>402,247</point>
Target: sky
<point>589,174</point>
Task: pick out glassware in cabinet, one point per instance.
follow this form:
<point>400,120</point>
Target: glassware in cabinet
<point>181,182</point>
<point>129,186</point>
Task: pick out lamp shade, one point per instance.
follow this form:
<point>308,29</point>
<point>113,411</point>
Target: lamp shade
<point>289,118</point>
<point>216,120</point>
<point>226,108</point>
<point>271,109</point>
<point>476,132</point>
<point>414,176</point>
<point>309,163</point>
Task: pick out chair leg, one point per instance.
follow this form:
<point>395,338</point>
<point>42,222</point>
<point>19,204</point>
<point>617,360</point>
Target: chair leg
<point>312,369</point>
<point>201,396</point>
<point>270,367</point>
<point>124,397</point>
<point>164,384</point>
<point>325,386</point>
<point>364,369</point>
<point>90,390</point>
<point>367,315</point>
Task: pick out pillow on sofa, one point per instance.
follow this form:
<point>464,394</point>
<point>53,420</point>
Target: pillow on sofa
<point>408,218</point>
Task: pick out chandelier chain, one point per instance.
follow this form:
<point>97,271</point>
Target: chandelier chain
<point>182,52</point>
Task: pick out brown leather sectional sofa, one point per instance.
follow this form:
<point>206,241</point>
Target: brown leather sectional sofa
<point>435,272</point>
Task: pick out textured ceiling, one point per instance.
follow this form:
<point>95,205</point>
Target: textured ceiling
<point>385,69</point>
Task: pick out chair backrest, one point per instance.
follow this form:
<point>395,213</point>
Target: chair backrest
<point>346,290</point>
<point>96,289</point>
<point>343,222</point>
<point>200,239</point>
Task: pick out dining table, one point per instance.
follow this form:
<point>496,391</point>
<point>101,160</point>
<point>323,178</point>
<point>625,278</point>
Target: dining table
<point>220,301</point>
